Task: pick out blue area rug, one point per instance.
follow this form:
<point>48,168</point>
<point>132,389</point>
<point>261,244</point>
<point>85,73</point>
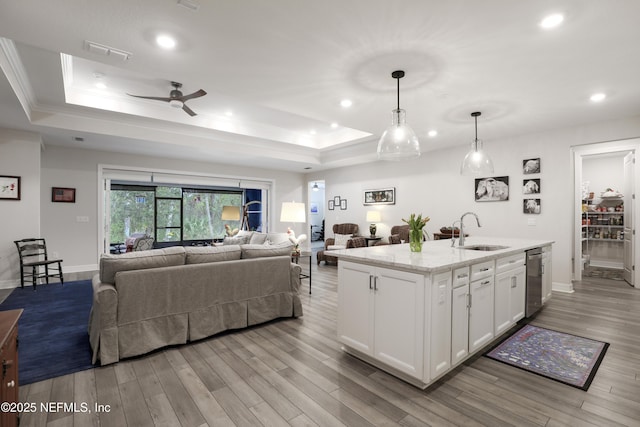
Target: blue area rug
<point>566,358</point>
<point>52,331</point>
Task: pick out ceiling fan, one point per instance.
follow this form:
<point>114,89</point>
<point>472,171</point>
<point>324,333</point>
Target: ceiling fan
<point>176,99</point>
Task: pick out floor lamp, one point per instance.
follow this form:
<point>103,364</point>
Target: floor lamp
<point>245,214</point>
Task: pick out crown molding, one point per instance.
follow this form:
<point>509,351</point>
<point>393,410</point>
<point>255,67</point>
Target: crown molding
<point>14,70</point>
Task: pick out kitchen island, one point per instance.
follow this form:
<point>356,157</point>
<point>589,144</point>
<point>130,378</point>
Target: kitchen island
<point>418,315</point>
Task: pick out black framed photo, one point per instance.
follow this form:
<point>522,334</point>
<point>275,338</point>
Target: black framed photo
<point>531,206</point>
<point>494,189</point>
<point>336,200</point>
<point>343,204</point>
<point>63,195</point>
<point>9,187</point>
<point>531,166</point>
<point>531,186</point>
<point>383,196</point>
<point>332,205</point>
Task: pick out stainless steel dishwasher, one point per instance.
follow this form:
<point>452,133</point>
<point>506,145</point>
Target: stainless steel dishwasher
<point>534,281</point>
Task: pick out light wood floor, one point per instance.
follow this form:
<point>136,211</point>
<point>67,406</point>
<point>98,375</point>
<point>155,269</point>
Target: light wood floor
<point>292,372</point>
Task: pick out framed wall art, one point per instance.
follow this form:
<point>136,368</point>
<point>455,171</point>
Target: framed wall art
<point>531,166</point>
<point>63,195</point>
<point>383,196</point>
<point>331,205</point>
<point>531,206</point>
<point>343,204</point>
<point>9,187</point>
<point>531,186</point>
<point>494,189</point>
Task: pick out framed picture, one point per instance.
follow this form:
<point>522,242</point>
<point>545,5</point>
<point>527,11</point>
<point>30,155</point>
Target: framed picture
<point>494,189</point>
<point>63,195</point>
<point>343,204</point>
<point>336,200</point>
<point>531,166</point>
<point>332,205</point>
<point>383,196</point>
<point>313,208</point>
<point>9,187</point>
<point>531,186</point>
<point>531,206</point>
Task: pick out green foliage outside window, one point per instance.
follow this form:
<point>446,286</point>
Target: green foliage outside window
<point>132,211</point>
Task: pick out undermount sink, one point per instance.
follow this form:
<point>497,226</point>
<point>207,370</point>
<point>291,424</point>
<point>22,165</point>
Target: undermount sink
<point>483,247</point>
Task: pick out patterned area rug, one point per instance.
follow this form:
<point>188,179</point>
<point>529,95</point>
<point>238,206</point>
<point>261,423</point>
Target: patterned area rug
<point>566,358</point>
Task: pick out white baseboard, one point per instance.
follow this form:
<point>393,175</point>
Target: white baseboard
<point>9,284</point>
<point>562,287</point>
<point>606,264</point>
<point>79,268</point>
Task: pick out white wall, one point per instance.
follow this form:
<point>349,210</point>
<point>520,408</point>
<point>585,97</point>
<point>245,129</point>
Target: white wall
<point>19,156</point>
<point>603,172</point>
<point>432,185</point>
<point>77,242</point>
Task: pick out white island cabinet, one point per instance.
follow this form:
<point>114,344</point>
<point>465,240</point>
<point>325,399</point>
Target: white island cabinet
<point>418,316</point>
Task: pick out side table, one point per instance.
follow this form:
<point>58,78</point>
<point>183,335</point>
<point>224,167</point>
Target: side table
<point>296,259</point>
<point>372,239</point>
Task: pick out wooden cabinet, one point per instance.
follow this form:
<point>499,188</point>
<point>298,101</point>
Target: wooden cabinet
<point>9,359</point>
<point>460,315</point>
<point>510,292</point>
<point>375,303</point>
<point>481,291</point>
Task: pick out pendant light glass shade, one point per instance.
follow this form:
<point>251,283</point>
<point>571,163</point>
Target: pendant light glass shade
<point>476,162</point>
<point>399,141</point>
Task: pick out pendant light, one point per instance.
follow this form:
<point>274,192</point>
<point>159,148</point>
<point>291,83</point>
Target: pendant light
<point>476,162</point>
<point>399,141</point>
<point>315,187</point>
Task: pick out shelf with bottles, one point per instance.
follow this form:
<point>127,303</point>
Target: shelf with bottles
<point>603,233</point>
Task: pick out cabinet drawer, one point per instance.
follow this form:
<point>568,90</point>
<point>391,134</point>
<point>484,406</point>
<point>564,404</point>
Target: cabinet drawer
<point>484,269</point>
<point>510,262</point>
<point>461,277</point>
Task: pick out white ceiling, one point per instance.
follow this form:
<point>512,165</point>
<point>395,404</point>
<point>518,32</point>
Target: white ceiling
<point>282,68</point>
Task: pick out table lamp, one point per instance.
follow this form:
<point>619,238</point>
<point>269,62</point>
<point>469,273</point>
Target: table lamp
<point>230,213</point>
<point>373,217</point>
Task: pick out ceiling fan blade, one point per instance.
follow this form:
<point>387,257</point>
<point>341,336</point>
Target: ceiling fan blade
<point>155,98</point>
<point>188,110</point>
<point>197,94</point>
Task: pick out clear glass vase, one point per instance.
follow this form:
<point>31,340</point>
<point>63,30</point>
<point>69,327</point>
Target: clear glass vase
<point>415,240</point>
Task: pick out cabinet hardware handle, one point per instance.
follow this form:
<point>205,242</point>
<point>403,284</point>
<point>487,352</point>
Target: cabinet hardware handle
<point>485,269</point>
<point>375,283</point>
<point>11,383</point>
<point>486,282</point>
<point>469,301</point>
<point>460,276</point>
<point>513,282</point>
<point>370,277</point>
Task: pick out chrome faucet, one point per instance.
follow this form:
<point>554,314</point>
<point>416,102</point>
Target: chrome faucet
<point>453,233</point>
<point>461,239</point>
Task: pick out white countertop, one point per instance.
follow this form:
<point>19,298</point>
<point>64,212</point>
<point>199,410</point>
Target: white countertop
<point>437,255</point>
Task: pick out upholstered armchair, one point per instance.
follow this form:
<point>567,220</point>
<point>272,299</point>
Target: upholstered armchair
<point>399,233</point>
<point>343,238</point>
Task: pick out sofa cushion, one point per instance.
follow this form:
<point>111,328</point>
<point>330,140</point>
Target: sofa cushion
<point>111,264</point>
<point>199,255</point>
<point>236,240</point>
<point>336,247</point>
<point>259,251</point>
<point>258,239</point>
<point>277,238</point>
<point>341,239</point>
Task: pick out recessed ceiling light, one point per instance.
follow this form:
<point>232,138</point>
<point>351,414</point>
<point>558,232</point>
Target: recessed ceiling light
<point>165,41</point>
<point>101,85</point>
<point>552,21</point>
<point>312,131</point>
<point>334,125</point>
<point>346,103</point>
<point>597,97</point>
<point>229,113</point>
<point>433,133</point>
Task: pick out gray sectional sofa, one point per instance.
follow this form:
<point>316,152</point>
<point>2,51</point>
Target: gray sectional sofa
<point>146,300</point>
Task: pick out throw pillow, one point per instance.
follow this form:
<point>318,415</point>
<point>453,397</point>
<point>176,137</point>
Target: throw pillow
<point>236,240</point>
<point>342,239</point>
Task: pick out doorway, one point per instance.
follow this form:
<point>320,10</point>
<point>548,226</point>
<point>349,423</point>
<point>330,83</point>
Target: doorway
<point>316,203</point>
<point>605,211</point>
